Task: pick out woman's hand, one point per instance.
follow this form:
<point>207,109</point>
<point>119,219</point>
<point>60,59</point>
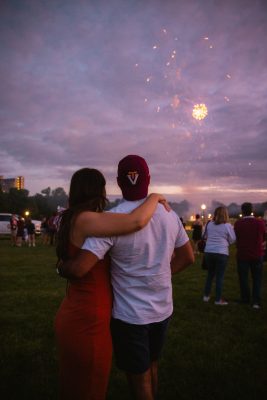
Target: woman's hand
<point>162,200</point>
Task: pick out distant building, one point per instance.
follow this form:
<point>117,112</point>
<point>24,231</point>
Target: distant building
<point>9,183</point>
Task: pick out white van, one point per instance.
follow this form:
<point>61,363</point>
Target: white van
<point>5,224</point>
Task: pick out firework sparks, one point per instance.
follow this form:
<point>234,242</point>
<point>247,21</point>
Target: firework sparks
<point>200,111</point>
<point>175,101</point>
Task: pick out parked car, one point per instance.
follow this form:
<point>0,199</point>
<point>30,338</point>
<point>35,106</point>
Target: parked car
<point>5,223</point>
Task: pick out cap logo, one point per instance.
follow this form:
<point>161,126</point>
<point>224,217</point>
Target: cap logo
<point>132,176</point>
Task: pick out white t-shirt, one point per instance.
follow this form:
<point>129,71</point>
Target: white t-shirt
<point>219,237</point>
<point>140,265</point>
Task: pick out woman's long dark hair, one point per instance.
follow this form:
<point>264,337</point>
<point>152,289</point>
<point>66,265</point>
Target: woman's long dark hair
<point>87,193</point>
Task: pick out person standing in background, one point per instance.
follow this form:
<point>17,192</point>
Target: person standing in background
<point>20,231</point>
<point>220,234</point>
<point>250,243</point>
<point>52,229</point>
<point>13,229</point>
<point>31,232</point>
<point>197,233</point>
<point>45,231</point>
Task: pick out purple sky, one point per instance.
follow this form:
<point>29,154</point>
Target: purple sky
<point>84,83</point>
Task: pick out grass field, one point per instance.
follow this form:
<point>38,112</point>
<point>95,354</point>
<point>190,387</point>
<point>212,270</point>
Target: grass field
<point>212,352</point>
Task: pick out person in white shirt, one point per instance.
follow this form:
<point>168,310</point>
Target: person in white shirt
<point>220,234</point>
<point>141,267</point>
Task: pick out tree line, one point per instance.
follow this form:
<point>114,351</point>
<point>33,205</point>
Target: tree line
<point>40,205</point>
<point>46,203</point>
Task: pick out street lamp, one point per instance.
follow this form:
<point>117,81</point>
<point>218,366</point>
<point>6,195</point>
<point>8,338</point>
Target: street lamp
<point>27,213</point>
<point>203,208</point>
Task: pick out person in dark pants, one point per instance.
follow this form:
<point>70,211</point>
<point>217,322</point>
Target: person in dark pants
<point>250,241</point>
<point>31,232</point>
<point>220,234</point>
<point>20,231</point>
<point>197,233</point>
<point>52,229</point>
<point>13,229</point>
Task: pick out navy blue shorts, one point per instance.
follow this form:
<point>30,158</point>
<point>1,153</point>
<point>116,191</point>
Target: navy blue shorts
<point>136,346</point>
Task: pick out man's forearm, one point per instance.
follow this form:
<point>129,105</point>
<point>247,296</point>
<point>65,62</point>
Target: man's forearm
<point>182,258</point>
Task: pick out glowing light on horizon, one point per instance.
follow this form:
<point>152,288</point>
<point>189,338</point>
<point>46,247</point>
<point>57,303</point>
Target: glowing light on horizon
<point>200,111</point>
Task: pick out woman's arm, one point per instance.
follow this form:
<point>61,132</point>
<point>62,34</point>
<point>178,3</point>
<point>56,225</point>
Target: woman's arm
<point>109,224</point>
<point>231,234</point>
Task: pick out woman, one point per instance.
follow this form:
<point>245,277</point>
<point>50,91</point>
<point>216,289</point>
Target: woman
<point>31,232</point>
<point>220,234</point>
<point>20,231</point>
<point>82,322</point>
<point>44,231</point>
<point>197,233</point>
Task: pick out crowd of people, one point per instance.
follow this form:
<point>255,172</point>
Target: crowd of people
<point>49,229</point>
<point>119,266</point>
<point>23,231</point>
<point>249,235</point>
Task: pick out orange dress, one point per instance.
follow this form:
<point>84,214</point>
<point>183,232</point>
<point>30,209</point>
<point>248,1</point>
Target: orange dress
<point>82,327</point>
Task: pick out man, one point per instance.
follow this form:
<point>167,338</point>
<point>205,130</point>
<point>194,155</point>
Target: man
<point>13,229</point>
<point>250,237</point>
<point>141,268</point>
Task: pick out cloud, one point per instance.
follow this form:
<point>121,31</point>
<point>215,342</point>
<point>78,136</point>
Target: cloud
<point>86,83</point>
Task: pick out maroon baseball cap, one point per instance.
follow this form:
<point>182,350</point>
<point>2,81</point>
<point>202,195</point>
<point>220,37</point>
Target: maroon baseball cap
<point>133,177</point>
